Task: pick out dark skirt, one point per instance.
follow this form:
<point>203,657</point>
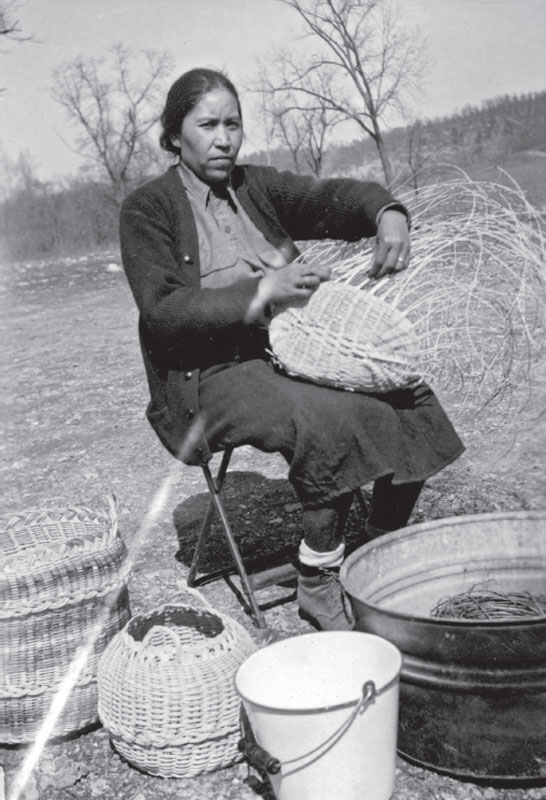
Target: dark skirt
<point>333,440</point>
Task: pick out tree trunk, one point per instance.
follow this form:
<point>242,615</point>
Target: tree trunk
<point>383,157</point>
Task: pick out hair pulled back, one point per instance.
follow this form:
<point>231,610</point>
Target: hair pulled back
<point>184,95</point>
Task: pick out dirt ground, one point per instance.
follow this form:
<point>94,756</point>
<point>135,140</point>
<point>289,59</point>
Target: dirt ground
<point>73,395</point>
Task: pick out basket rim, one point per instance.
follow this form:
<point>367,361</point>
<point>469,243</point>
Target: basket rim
<point>100,533</point>
<point>230,628</point>
<point>17,519</point>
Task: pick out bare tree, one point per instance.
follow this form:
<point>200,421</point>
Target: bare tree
<point>303,125</point>
<point>114,103</point>
<point>9,25</point>
<point>366,62</point>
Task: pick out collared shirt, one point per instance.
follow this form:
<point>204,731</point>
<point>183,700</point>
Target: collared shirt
<point>230,245</point>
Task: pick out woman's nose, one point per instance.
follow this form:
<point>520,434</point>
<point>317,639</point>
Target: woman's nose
<point>222,136</point>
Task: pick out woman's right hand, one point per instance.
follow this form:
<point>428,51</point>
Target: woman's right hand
<point>294,282</point>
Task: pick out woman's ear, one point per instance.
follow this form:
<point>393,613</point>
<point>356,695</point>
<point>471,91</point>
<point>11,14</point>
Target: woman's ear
<point>175,140</point>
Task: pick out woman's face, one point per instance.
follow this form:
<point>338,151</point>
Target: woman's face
<point>211,135</point>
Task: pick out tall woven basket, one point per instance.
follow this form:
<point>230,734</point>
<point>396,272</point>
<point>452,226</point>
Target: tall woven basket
<point>346,338</point>
<point>166,690</point>
<point>63,587</point>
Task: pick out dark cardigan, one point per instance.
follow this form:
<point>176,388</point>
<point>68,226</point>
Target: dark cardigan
<point>182,326</point>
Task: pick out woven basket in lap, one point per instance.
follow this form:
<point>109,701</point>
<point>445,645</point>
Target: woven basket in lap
<point>63,580</point>
<point>166,690</point>
<point>346,338</point>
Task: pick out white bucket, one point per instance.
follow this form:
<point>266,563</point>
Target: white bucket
<point>325,705</point>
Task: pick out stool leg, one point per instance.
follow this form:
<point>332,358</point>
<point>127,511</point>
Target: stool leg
<point>200,546</point>
<point>219,507</point>
<point>207,519</point>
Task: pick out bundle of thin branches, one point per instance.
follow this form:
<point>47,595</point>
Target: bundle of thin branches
<point>475,291</point>
<point>482,603</point>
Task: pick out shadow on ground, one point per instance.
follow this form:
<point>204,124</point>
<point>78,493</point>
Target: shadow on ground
<point>264,515</point>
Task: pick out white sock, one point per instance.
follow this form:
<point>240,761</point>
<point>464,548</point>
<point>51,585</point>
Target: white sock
<point>312,558</point>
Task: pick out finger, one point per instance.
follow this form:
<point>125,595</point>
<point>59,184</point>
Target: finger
<point>380,255</point>
<point>403,259</point>
<point>398,256</point>
<point>304,292</point>
<point>308,282</point>
<point>321,271</point>
<point>391,260</point>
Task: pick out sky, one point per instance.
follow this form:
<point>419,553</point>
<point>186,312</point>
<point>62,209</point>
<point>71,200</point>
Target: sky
<point>475,50</point>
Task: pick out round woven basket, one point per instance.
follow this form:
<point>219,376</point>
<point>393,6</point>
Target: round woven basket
<point>346,338</point>
<point>166,690</point>
<point>63,584</point>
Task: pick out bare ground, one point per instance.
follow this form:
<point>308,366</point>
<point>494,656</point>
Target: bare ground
<point>73,394</point>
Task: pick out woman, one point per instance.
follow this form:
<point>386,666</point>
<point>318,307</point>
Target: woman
<point>208,249</point>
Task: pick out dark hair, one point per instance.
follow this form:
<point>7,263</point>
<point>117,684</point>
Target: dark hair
<point>184,95</point>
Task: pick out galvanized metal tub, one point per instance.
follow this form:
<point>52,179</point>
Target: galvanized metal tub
<point>472,692</point>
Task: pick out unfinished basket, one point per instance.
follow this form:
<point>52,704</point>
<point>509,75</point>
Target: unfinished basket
<point>346,338</point>
<point>63,586</point>
<point>166,690</point>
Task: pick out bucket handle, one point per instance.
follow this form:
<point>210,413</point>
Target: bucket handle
<point>369,694</point>
<point>262,761</point>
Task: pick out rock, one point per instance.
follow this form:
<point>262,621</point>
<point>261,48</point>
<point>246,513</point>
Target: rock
<point>99,787</point>
<point>67,772</point>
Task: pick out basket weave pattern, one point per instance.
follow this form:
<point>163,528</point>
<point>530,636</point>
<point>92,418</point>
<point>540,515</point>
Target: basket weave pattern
<point>63,574</point>
<point>166,690</point>
<point>346,338</point>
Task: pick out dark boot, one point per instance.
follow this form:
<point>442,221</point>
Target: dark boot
<point>322,600</point>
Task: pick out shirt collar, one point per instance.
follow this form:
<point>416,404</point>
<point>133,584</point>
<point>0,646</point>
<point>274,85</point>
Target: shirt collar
<point>198,190</point>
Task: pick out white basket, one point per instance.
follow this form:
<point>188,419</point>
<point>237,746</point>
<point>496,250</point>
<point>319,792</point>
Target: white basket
<point>346,338</point>
<point>166,691</point>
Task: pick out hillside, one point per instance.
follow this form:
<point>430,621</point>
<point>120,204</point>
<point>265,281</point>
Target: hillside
<point>507,133</point>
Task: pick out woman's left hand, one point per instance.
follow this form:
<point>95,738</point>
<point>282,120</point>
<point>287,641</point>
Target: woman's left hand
<point>392,244</point>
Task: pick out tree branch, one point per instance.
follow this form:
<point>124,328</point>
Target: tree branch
<point>113,111</point>
<point>370,64</point>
